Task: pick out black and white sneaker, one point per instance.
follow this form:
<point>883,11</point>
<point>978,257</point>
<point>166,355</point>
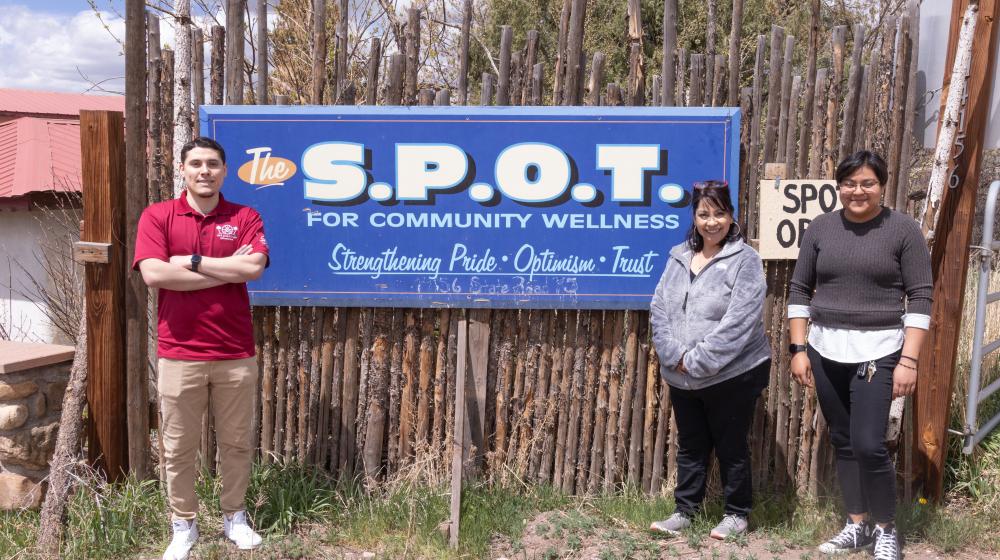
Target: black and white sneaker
<point>854,536</point>
<point>886,543</point>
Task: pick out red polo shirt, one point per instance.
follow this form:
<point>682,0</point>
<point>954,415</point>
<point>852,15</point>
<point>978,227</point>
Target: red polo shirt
<point>214,323</point>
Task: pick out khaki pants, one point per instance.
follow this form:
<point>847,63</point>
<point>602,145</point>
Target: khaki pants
<point>185,388</point>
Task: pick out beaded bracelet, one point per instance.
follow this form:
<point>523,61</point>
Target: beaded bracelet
<point>906,366</point>
<point>911,358</point>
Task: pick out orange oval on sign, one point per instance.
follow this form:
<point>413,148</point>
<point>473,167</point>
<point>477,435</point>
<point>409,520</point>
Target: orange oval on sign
<point>266,170</point>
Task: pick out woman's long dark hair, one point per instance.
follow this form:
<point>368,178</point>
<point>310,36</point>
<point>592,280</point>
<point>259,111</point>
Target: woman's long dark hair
<point>716,193</point>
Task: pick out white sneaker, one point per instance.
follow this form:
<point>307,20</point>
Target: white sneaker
<point>185,535</point>
<point>237,530</point>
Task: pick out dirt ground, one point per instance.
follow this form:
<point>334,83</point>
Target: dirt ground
<point>569,535</point>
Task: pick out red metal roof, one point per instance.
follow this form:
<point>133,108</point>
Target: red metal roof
<point>39,154</point>
<point>29,102</point>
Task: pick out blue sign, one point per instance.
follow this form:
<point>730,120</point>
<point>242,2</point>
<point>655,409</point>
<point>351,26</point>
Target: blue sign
<point>542,207</point>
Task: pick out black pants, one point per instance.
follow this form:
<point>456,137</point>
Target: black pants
<point>857,410</point>
<point>717,417</point>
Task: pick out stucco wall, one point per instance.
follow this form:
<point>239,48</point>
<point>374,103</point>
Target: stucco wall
<point>24,320</point>
<point>935,24</point>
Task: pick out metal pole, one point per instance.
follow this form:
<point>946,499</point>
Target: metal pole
<point>972,402</point>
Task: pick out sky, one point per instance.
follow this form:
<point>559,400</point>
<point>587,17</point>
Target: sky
<point>64,45</point>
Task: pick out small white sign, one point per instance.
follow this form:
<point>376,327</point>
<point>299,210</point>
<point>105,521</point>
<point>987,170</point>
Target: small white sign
<point>786,209</point>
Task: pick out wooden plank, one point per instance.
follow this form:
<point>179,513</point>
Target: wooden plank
<point>234,51</point>
<point>349,411</point>
<point>102,150</point>
<point>91,252</point>
<point>950,253</point>
<point>478,352</point>
<point>458,441</point>
<point>136,199</point>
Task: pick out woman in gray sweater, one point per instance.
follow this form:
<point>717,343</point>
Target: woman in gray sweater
<point>863,279</point>
<point>708,329</point>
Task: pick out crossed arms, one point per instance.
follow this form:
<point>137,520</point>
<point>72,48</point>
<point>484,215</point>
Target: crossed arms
<point>177,275</point>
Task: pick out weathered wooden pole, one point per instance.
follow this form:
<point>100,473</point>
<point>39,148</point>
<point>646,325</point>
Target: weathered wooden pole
<point>851,103</point>
<point>734,53</point>
<point>234,51</point>
<point>260,91</point>
<point>559,79</point>
<point>463,54</point>
<point>102,151</point>
<point>574,52</point>
<point>805,130</point>
<point>374,59</point>
<point>341,47</point>
<point>182,83</point>
<point>154,159</point>
<point>412,67</point>
<point>197,77</point>
<point>318,51</point>
<point>669,47</point>
<point>218,64</point>
<point>503,82</point>
<point>709,49</point>
<point>950,250</point>
<point>773,94</point>
<point>637,62</point>
<point>136,294</point>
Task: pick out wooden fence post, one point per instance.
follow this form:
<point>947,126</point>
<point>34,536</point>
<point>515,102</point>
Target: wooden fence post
<point>136,296</point>
<point>102,150</point>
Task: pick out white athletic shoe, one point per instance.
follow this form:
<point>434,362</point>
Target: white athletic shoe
<point>236,529</point>
<point>185,535</point>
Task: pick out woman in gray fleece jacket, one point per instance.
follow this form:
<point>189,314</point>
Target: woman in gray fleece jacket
<point>708,329</point>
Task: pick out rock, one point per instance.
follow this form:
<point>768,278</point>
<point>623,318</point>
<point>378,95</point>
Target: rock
<point>10,391</point>
<point>54,394</point>
<point>36,404</point>
<point>30,448</point>
<point>12,416</point>
<point>18,492</point>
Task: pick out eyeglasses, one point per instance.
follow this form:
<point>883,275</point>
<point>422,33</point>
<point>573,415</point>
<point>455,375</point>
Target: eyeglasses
<point>865,185</point>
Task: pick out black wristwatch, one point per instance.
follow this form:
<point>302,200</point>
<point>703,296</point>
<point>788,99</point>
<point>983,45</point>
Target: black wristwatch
<point>794,349</point>
<point>195,261</point>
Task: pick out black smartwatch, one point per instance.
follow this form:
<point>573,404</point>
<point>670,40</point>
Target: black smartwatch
<point>796,348</point>
<point>195,261</point>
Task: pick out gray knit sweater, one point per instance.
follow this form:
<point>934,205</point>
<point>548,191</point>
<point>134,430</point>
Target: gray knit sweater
<point>858,275</point>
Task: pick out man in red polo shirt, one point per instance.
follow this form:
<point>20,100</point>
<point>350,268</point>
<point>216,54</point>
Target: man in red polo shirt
<point>200,250</point>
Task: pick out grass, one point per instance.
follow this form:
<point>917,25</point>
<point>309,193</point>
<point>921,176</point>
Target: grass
<point>304,513</point>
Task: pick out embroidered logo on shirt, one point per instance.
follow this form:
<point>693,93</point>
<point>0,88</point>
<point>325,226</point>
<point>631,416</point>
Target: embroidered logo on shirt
<point>226,232</point>
<point>263,241</point>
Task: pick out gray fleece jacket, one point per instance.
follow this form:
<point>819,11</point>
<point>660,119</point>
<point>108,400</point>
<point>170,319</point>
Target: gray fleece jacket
<point>715,320</point>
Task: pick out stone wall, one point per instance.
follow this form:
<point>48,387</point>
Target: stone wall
<point>30,405</point>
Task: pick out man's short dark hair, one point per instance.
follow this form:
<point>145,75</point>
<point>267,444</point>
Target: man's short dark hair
<point>857,160</point>
<point>203,142</point>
